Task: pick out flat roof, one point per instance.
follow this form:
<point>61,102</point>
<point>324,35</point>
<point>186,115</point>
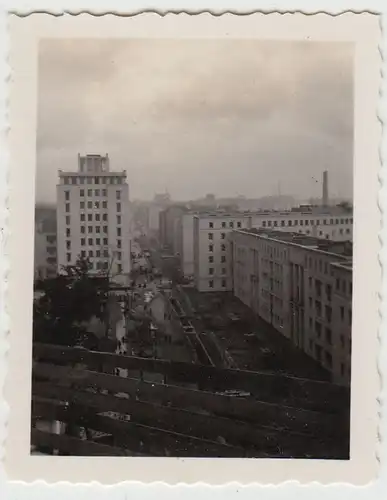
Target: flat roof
<point>338,248</point>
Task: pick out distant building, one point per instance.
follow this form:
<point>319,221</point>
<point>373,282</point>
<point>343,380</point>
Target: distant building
<point>45,252</point>
<point>302,286</point>
<point>93,217</point>
<point>211,249</point>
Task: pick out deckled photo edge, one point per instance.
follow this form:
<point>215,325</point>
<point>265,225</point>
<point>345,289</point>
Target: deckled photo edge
<point>188,463</point>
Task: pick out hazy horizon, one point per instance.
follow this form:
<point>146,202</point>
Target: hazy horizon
<point>199,116</point>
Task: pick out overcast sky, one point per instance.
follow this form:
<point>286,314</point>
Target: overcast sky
<point>227,117</point>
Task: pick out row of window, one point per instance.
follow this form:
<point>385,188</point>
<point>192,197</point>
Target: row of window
<point>100,253</point>
<point>224,224</point>
<point>222,248</point>
<point>91,242</point>
<point>211,236</point>
<point>345,286</point>
<point>223,283</point>
<point>92,205</point>
<point>93,229</point>
<point>90,192</point>
<point>306,222</point>
<point>82,179</point>
<point>93,216</point>
<point>211,270</point>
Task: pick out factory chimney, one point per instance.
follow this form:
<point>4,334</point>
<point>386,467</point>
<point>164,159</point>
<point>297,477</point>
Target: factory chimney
<point>325,199</point>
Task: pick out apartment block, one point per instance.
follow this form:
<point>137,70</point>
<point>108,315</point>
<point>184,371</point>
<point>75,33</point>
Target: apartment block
<point>45,251</point>
<point>302,286</point>
<point>212,251</point>
<point>93,217</point>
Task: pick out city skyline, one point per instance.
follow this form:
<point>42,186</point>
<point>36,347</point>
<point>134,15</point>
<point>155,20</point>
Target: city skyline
<point>200,115</point>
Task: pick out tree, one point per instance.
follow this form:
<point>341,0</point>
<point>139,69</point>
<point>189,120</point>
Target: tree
<point>67,302</point>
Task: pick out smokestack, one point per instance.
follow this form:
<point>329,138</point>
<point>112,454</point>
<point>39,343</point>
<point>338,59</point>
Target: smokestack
<point>325,199</point>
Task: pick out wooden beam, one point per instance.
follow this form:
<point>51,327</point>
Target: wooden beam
<point>139,438</point>
<point>291,391</point>
<point>74,446</point>
<point>258,412</point>
<point>198,424</point>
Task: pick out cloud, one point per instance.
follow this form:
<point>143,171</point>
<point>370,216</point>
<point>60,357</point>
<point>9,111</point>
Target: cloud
<point>198,116</point>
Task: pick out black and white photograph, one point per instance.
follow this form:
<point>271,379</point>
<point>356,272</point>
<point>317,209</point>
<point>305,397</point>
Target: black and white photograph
<point>201,208</point>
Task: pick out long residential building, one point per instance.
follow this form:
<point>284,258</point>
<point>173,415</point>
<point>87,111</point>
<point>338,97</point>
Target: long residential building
<point>211,244</point>
<point>302,286</point>
<point>93,218</point>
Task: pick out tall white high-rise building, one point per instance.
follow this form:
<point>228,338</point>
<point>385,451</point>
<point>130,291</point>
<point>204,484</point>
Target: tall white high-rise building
<point>93,217</point>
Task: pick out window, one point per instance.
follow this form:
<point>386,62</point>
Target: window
<point>264,223</point>
<point>66,180</point>
<point>328,358</point>
<point>83,229</point>
<point>98,253</point>
<point>91,265</point>
<point>89,217</point>
<point>96,180</point>
<point>67,195</point>
<point>119,268</point>
<point>301,222</point>
<point>68,232</point>
<point>104,204</point>
<point>83,242</point>
<point>211,259</point>
<point>82,217</point>
<point>331,221</point>
<point>289,222</point>
<point>118,219</point>
<point>328,291</point>
<point>317,327</point>
<point>89,192</point>
<point>328,336</point>
<point>223,224</point>
<point>210,270</point>
<point>222,236</point>
<point>98,241</point>
<point>118,243</point>
<point>223,283</point>
<point>269,223</point>
<point>282,223</point>
<point>67,220</point>
<point>97,217</point>
<point>223,258</point>
<point>347,231</point>
<point>96,192</point>
<point>341,312</point>
<point>211,283</point>
<point>118,231</point>
<point>82,205</point>
<point>105,241</point>
<point>239,224</point>
<point>67,207</point>
<point>91,241</point>
<point>82,181</point>
<point>68,244</point>
<point>210,236</point>
<point>119,255</point>
<point>68,255</point>
<point>118,207</point>
<point>275,223</point>
<point>96,204</point>
<point>91,253</point>
<point>210,248</point>
<point>231,224</point>
<point>105,229</point>
<point>104,192</point>
<point>223,270</point>
<point>223,247</point>
<point>97,229</point>
<point>83,253</point>
<point>106,253</point>
<point>211,225</point>
<point>105,217</point>
<point>89,204</point>
<point>90,229</point>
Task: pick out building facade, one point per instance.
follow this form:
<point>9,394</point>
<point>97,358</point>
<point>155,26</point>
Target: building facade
<point>211,249</point>
<point>93,217</point>
<point>302,286</point>
<point>45,251</point>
